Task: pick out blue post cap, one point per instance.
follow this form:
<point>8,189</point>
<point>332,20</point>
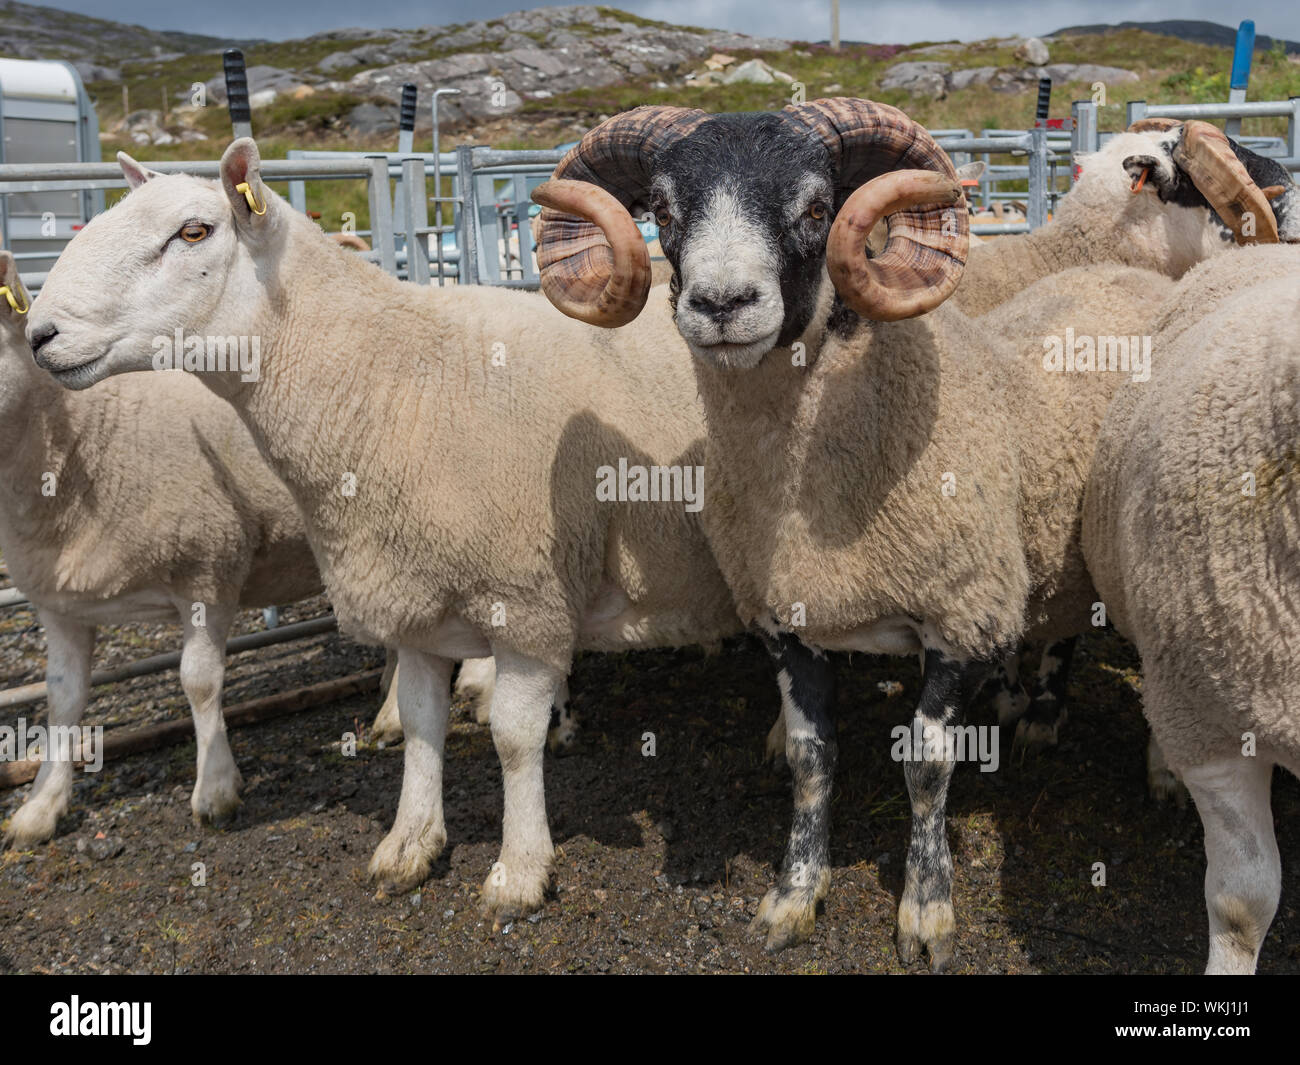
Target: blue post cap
<point>1242,56</point>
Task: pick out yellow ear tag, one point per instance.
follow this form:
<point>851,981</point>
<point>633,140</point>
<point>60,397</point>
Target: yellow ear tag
<point>244,187</point>
<point>7,292</point>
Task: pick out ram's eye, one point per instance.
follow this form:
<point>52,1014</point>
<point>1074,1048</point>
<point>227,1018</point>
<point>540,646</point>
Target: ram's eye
<point>817,210</point>
<point>193,232</point>
<point>662,217</point>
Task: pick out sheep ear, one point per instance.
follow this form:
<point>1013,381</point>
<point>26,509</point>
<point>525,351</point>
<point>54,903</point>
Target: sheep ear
<point>971,171</point>
<point>1273,191</point>
<point>241,176</point>
<point>135,174</point>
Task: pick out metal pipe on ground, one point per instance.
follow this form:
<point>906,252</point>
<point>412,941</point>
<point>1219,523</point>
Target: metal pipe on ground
<point>121,742</point>
<point>33,693</point>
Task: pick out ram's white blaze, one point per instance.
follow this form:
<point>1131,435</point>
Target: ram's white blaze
<point>727,254</point>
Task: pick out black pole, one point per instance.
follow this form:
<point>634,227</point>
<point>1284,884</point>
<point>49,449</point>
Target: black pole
<point>1044,99</point>
<point>241,115</point>
<point>408,107</point>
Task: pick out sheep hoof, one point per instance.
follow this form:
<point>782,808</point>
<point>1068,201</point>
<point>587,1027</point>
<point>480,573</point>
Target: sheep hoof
<point>30,826</point>
<point>1163,786</point>
<point>216,804</point>
<point>509,895</point>
<point>34,823</point>
<point>216,814</point>
<point>481,707</point>
<point>786,918</point>
<point>384,736</point>
<point>930,927</point>
<point>909,947</point>
<point>402,860</point>
<point>387,728</point>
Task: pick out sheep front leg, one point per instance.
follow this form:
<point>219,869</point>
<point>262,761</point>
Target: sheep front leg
<point>521,715</point>
<point>806,677</point>
<point>67,676</point>
<point>1243,873</point>
<point>203,669</point>
<point>925,913</point>
<point>403,859</point>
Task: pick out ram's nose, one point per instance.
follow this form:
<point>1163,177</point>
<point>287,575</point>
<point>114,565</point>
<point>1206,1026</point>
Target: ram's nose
<point>39,334</point>
<point>723,305</point>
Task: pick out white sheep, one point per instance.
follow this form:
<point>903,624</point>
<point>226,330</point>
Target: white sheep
<point>539,498</point>
<point>1167,224</point>
<point>144,501</point>
<point>875,484</point>
<point>1136,205</point>
<point>1191,527</point>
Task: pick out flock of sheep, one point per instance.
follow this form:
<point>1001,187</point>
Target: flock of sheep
<point>892,466</point>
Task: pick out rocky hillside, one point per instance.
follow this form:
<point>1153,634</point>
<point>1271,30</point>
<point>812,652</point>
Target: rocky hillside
<point>498,66</point>
<point>530,55</point>
<point>95,45</point>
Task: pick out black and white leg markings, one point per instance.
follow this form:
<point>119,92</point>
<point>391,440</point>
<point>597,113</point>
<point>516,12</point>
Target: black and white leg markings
<point>1009,696</point>
<point>807,680</point>
<point>1047,710</point>
<point>925,914</point>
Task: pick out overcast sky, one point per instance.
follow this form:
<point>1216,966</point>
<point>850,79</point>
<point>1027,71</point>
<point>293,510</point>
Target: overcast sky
<point>860,20</point>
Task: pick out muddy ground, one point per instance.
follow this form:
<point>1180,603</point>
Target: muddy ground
<point>661,860</point>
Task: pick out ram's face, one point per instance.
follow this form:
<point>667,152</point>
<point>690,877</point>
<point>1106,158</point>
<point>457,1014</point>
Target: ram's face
<point>744,204</point>
<point>1156,166</point>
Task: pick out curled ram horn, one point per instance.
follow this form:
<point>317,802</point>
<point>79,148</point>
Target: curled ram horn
<point>594,264</point>
<point>911,276</point>
<point>1205,155</point>
<point>897,172</point>
<point>591,257</point>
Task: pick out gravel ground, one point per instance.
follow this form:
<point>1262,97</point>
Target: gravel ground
<point>661,860</point>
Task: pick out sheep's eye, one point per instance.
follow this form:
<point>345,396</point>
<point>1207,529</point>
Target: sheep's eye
<point>193,232</point>
<point>662,217</point>
<point>817,210</point>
